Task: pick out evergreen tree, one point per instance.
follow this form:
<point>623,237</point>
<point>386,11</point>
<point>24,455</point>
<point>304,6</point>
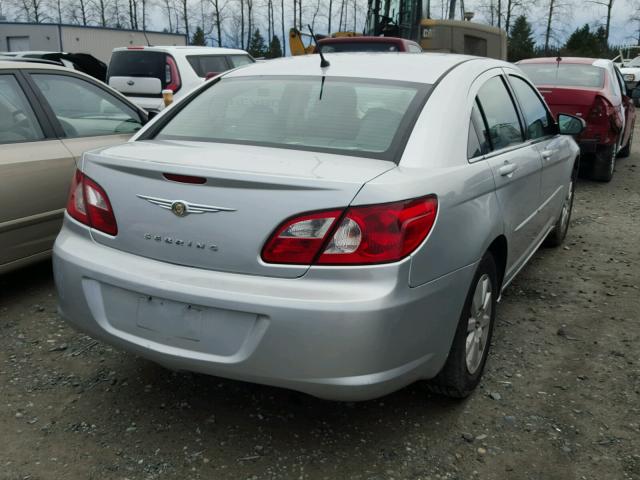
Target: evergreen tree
<point>198,37</point>
<point>275,49</point>
<point>257,47</point>
<point>521,43</point>
<point>583,43</point>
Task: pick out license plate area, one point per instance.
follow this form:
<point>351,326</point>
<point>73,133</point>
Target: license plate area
<point>170,319</point>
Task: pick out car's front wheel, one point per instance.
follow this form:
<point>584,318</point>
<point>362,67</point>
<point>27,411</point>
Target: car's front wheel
<point>468,355</point>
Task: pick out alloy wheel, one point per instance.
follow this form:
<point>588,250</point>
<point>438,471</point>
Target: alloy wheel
<point>479,323</point>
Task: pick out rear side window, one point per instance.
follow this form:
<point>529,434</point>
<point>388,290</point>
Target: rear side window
<point>203,64</point>
<point>347,116</point>
<point>478,141</point>
<point>539,121</point>
<point>240,60</point>
<point>500,114</point>
<point>17,121</point>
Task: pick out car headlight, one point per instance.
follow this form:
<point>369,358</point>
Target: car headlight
<point>629,77</point>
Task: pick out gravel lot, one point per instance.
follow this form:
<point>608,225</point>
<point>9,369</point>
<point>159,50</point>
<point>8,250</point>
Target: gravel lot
<point>560,397</point>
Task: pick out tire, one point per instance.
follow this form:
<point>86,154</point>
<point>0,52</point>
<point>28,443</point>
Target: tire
<point>462,370</point>
<point>626,151</point>
<point>604,163</point>
<point>561,227</point>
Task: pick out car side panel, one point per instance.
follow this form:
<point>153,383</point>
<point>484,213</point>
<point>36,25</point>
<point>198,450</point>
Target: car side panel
<point>34,182</point>
<point>465,223</point>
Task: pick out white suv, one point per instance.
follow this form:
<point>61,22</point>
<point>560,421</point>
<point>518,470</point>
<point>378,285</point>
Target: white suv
<point>141,73</point>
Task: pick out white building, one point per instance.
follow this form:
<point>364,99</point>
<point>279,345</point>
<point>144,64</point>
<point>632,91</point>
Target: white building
<point>98,41</point>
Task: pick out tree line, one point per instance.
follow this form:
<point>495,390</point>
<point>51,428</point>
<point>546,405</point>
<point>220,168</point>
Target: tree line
<point>261,26</point>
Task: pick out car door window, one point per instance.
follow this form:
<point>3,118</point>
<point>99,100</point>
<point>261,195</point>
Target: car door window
<point>621,81</point>
<point>18,123</point>
<point>84,109</point>
<point>500,113</point>
<point>539,122</point>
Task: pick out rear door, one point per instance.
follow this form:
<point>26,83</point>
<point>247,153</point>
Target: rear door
<point>35,169</point>
<point>86,115</point>
<point>141,75</point>
<point>516,166</point>
<point>542,132</point>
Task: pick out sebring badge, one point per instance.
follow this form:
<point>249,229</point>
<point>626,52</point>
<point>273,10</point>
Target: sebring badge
<point>181,208</point>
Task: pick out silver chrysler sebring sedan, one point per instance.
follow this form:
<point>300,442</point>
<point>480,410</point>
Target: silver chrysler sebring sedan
<point>342,231</point>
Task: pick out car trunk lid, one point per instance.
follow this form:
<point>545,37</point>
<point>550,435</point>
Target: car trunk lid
<point>573,101</point>
<point>248,192</point>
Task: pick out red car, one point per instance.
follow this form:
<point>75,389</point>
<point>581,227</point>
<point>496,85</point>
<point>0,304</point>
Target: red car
<point>368,44</point>
<point>595,91</point>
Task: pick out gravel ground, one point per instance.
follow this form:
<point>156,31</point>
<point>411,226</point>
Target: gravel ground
<point>559,400</point>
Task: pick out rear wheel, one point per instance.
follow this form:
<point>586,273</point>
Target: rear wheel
<point>626,151</point>
<point>604,163</point>
<point>468,355</point>
<point>560,229</point>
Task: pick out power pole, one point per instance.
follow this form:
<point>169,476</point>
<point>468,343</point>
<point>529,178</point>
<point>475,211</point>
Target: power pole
<point>452,9</point>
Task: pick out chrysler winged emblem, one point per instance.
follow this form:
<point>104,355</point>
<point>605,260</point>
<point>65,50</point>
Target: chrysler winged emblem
<point>182,208</point>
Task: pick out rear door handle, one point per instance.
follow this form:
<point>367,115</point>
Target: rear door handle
<point>507,169</point>
<point>548,154</point>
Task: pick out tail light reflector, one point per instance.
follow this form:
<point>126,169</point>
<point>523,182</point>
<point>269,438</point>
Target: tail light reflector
<point>362,235</point>
<point>89,204</point>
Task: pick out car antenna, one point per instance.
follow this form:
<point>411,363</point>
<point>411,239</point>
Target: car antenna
<point>324,63</point>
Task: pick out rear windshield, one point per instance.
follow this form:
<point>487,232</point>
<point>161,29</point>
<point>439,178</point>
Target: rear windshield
<point>132,63</point>
<point>359,47</point>
<point>564,75</point>
<point>360,117</point>
<point>203,64</point>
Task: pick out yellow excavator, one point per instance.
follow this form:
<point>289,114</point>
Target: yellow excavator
<point>296,44</point>
<point>410,20</point>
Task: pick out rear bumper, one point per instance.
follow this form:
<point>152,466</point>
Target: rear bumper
<point>588,146</point>
<point>341,334</point>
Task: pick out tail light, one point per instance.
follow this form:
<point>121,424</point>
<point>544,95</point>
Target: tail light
<point>89,204</point>
<point>600,109</point>
<point>172,76</point>
<point>362,235</point>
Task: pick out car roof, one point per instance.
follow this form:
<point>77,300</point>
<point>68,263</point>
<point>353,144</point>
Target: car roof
<point>184,50</point>
<point>580,60</point>
<point>10,63</point>
<point>424,68</point>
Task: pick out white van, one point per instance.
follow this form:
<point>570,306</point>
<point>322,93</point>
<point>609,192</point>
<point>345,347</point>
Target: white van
<point>141,73</point>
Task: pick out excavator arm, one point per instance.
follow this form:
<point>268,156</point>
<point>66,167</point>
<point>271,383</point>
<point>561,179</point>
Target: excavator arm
<point>296,45</point>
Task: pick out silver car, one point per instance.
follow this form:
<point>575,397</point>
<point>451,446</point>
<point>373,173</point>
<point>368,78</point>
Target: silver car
<point>342,231</point>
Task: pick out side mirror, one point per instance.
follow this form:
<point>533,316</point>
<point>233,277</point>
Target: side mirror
<point>570,124</point>
<point>635,93</point>
<point>211,75</point>
<point>151,114</point>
